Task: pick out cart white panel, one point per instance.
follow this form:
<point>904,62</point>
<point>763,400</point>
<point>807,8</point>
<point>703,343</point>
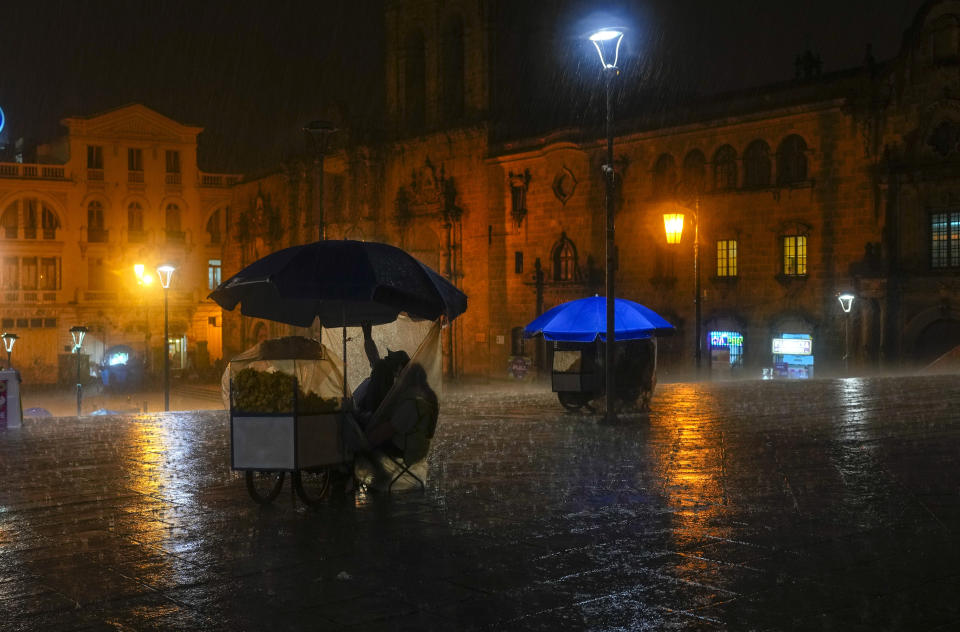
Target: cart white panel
<point>263,443</point>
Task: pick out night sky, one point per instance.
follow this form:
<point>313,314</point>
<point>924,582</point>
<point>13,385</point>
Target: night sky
<point>252,73</point>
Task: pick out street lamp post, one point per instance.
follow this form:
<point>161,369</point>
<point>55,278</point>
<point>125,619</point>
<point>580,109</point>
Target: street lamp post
<point>78,332</point>
<point>673,226</point>
<point>607,42</point>
<point>846,304</point>
<point>9,339</point>
<point>318,135</point>
<point>166,273</point>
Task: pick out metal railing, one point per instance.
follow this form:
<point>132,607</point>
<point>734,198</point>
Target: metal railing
<point>135,177</point>
<point>21,170</point>
<point>218,179</point>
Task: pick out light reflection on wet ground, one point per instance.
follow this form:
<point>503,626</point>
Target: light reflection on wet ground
<point>832,504</point>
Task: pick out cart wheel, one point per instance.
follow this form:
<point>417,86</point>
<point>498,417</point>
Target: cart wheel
<point>571,401</point>
<point>263,487</point>
<point>312,485</point>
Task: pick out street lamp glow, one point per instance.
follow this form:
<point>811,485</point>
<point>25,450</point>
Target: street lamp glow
<point>673,225</point>
<point>846,301</point>
<point>8,341</point>
<point>165,273</point>
<point>138,271</point>
<point>77,333</point>
<point>607,42</point>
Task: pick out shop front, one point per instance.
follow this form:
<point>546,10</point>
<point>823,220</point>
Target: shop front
<point>726,354</point>
<point>793,356</point>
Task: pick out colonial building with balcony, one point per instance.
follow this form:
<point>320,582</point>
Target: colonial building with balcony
<point>121,188</point>
<point>822,184</point>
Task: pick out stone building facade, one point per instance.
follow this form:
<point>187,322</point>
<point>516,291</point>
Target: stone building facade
<point>830,183</point>
<point>120,188</point>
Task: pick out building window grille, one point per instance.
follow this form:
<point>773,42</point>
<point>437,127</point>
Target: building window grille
<point>795,255</point>
<point>945,239</point>
<point>727,258</point>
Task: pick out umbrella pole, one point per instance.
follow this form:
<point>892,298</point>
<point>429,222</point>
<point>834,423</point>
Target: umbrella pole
<point>343,320</point>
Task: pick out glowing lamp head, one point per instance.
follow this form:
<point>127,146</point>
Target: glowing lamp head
<point>673,225</point>
<point>607,42</point>
<point>165,273</point>
<point>9,339</point>
<point>78,332</point>
<point>138,271</point>
<point>846,301</point>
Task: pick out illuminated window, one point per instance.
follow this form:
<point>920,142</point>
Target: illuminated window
<point>725,168</point>
<point>213,274</point>
<point>792,160</point>
<point>756,165</point>
<point>727,258</point>
<point>564,260</point>
<point>795,255</point>
<point>945,239</point>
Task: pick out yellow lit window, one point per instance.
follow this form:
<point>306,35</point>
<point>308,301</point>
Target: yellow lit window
<point>727,258</point>
<point>795,255</point>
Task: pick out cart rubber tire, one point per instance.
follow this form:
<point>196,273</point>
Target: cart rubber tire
<point>260,487</point>
<point>313,485</point>
<point>573,401</point>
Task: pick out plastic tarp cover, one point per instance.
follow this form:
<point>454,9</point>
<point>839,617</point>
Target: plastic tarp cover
<point>317,369</point>
<point>426,359</point>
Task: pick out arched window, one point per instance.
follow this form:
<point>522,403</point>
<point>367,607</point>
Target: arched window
<point>564,260</point>
<point>95,226</point>
<point>135,223</point>
<point>49,222</point>
<point>172,223</point>
<point>453,65</point>
<point>11,220</point>
<point>694,166</point>
<point>664,176</point>
<point>415,82</point>
<point>214,227</point>
<point>756,165</point>
<point>725,168</point>
<point>791,160</point>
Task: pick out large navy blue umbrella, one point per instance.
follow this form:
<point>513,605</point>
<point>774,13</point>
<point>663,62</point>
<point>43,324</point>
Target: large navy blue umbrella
<point>585,320</point>
<point>341,283</point>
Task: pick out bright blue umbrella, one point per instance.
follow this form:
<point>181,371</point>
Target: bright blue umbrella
<point>585,320</point>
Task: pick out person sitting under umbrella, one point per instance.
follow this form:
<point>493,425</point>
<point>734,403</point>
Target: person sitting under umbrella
<point>383,372</point>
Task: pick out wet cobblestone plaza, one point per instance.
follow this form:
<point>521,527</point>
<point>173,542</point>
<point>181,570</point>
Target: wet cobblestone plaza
<point>825,505</point>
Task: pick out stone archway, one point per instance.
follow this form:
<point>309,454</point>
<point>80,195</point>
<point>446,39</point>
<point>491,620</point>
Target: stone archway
<point>930,334</point>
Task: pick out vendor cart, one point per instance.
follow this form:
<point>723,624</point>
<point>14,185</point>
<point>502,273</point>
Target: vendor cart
<point>286,416</point>
<point>576,376</point>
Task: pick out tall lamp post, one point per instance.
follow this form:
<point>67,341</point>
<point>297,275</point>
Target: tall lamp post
<point>166,273</point>
<point>673,226</point>
<point>78,332</point>
<point>9,339</point>
<point>318,136</point>
<point>607,42</point>
<point>846,304</point>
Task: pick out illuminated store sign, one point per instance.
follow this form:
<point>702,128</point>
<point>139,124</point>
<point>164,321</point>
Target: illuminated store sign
<point>726,339</point>
<point>3,119</point>
<point>792,346</point>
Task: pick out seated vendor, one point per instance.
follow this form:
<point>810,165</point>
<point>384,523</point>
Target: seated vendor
<point>384,371</point>
<point>411,423</point>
